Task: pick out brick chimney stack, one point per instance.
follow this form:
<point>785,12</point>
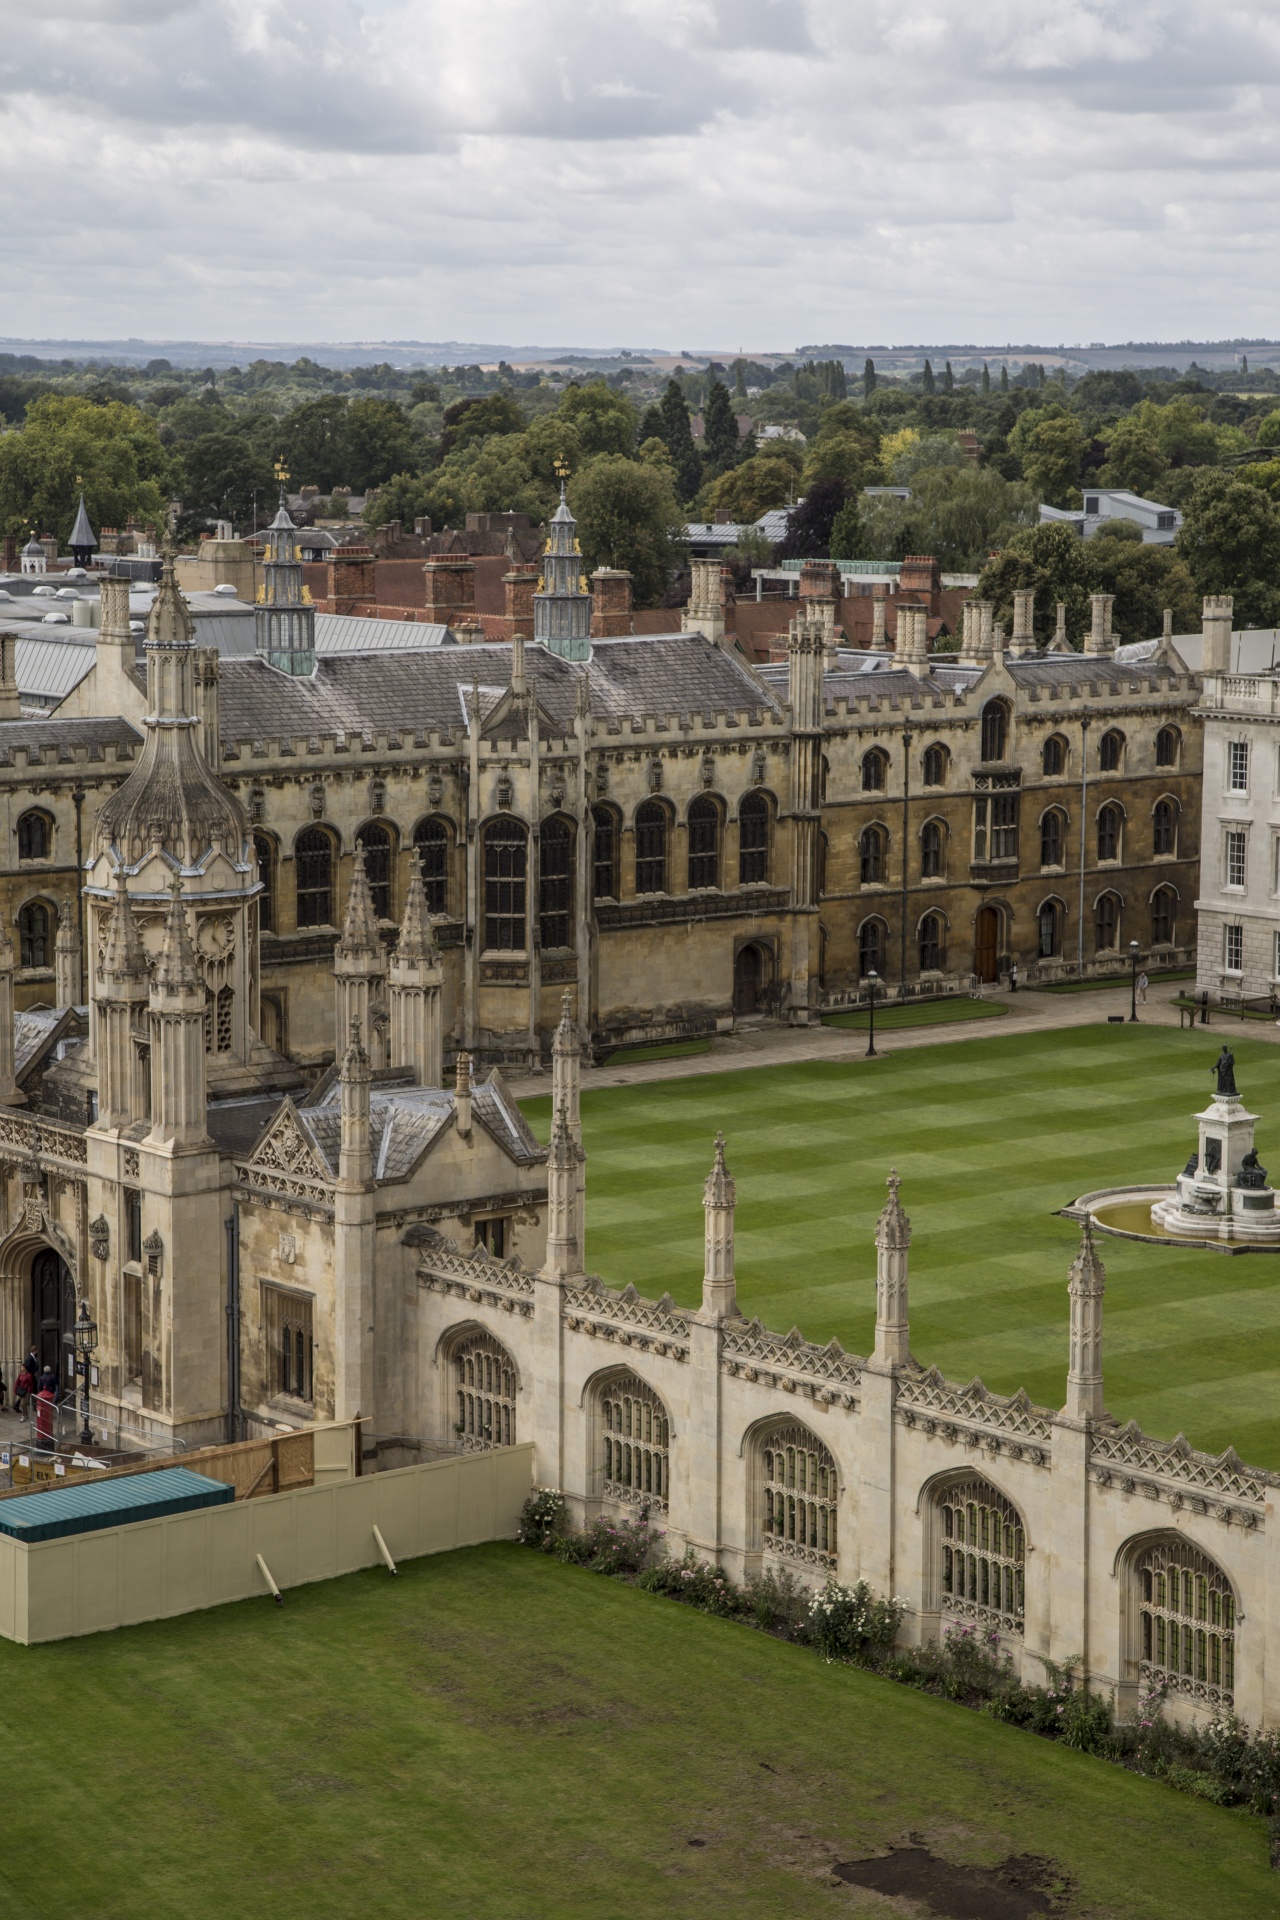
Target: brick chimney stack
<point>518,586</point>
<point>611,603</point>
<point>450,582</point>
<point>350,579</point>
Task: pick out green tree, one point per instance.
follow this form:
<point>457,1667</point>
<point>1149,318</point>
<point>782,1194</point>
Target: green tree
<point>678,434</point>
<point>603,420</point>
<point>1135,458</point>
<point>720,430</point>
<point>810,522</point>
<point>379,443</point>
<point>1144,579</point>
<point>1050,442</point>
<point>948,379</point>
<point>986,378</point>
<point>66,445</point>
<point>1230,541</point>
<point>405,497</point>
<point>478,417</point>
<point>1050,559</point>
<point>628,516</point>
<point>848,532</point>
<point>928,382</point>
<point>313,442</point>
<point>841,456</point>
<point>652,425</point>
<point>1004,379</point>
<point>868,378</point>
<point>1268,434</point>
<point>224,477</point>
<point>745,492</point>
<point>931,450</point>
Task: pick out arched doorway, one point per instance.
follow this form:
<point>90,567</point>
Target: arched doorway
<point>750,979</point>
<point>986,944</point>
<point>53,1312</point>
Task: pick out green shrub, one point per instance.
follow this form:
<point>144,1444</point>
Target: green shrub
<point>542,1520</point>
<point>609,1546</point>
<point>850,1623</point>
<point>778,1603</point>
<point>694,1582</point>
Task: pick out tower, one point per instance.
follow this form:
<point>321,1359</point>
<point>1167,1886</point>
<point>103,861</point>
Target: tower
<point>284,618</point>
<point>562,606</point>
<point>354,1212</point>
<point>83,541</point>
<point>359,959</point>
<point>414,988</point>
<point>179,1094</point>
<point>1084,1373</point>
<point>719,1196</point>
<point>121,993</point>
<point>1216,627</point>
<point>893,1238</point>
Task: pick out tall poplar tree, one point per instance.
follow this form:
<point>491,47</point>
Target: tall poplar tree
<point>678,434</point>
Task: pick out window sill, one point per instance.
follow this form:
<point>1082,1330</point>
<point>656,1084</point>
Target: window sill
<point>507,953</point>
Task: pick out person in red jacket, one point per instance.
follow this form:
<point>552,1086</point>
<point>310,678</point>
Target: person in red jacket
<point>46,1401</point>
<point>23,1387</point>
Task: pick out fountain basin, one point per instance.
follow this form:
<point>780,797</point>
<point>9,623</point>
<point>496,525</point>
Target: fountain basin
<point>1143,1213</point>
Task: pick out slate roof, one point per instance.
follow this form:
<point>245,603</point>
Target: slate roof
<point>35,1031</point>
<point>236,1126</point>
<point>405,1121</point>
<point>859,674</point>
<point>656,674</point>
<point>95,732</point>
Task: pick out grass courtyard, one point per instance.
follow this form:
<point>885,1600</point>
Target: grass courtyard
<point>496,1735</point>
<point>990,1135</point>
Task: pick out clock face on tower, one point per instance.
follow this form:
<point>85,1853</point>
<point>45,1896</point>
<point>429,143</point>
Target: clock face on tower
<point>215,935</point>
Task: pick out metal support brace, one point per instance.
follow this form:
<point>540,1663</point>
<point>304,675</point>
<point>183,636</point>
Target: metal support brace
<point>384,1550</point>
<point>267,1576</point>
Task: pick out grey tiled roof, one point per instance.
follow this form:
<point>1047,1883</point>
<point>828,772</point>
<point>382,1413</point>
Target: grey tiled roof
<point>34,1031</point>
<point>655,674</point>
<point>94,732</point>
<point>859,674</point>
<point>406,1121</point>
<point>236,1126</point>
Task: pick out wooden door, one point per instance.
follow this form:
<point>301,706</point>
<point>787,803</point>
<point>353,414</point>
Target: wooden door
<point>986,945</point>
<point>747,980</point>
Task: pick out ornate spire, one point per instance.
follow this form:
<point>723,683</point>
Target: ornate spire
<point>561,605</point>
<point>355,1153</point>
<point>177,970</point>
<point>355,1061</point>
<point>719,1287</point>
<point>169,624</point>
<point>66,957</point>
<point>462,1091</point>
<point>719,1189</point>
<point>893,1238</point>
<point>417,941</point>
<point>360,927</point>
<point>123,957</point>
<point>1086,1286</point>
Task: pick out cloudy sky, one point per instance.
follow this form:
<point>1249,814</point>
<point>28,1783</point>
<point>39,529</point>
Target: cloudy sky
<point>701,173</point>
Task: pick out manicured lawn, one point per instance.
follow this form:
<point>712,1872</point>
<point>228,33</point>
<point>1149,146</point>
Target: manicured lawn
<point>662,1050</point>
<point>498,1736</point>
<point>919,1013</point>
<point>990,1135</point>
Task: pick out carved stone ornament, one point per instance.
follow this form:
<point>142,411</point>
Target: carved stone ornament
<point>708,770</point>
<point>257,803</point>
<point>758,767</point>
<point>153,1249</point>
<point>288,1248</point>
<point>100,1238</point>
<point>132,1165</point>
<point>435,789</point>
<point>506,791</point>
<point>315,799</point>
<point>655,775</point>
<point>602,781</point>
<point>557,794</point>
<point>377,795</point>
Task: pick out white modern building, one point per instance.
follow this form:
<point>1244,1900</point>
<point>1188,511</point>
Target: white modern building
<point>1159,524</point>
<point>1238,911</point>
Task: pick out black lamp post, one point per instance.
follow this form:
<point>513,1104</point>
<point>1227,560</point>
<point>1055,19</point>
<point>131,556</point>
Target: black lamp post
<point>873,981</point>
<point>1133,980</point>
<point>86,1342</point>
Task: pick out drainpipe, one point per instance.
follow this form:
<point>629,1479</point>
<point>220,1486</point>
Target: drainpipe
<point>234,1420</point>
<point>77,799</point>
<point>1084,801</point>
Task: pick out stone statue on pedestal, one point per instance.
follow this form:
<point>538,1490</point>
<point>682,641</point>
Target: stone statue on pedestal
<point>1251,1175</point>
<point>1225,1068</point>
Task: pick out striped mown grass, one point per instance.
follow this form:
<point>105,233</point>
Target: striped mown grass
<point>990,1135</point>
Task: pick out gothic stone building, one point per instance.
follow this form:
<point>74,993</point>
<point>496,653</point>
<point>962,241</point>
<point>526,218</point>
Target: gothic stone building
<point>675,837</point>
<point>259,1253</point>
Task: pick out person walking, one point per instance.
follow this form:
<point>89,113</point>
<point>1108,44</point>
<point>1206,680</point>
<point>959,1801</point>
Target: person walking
<point>23,1388</point>
<point>1142,988</point>
<point>1013,976</point>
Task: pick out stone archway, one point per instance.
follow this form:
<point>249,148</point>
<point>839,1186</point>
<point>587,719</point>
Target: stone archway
<point>53,1311</point>
<point>752,970</point>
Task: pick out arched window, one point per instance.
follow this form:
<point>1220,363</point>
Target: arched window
<point>313,858</point>
<point>604,860</point>
<point>1164,827</point>
<point>635,1444</point>
<point>35,836</point>
<point>265,855</point>
<point>875,767</point>
<point>433,839</point>
<point>1187,1622</point>
<point>1106,922</point>
<point>1049,930</point>
<point>1111,751</point>
<point>704,843</point>
<point>506,860</point>
<point>555,882</point>
<point>35,945</point>
<point>935,766</point>
<point>753,840</point>
<point>651,847</point>
<point>484,1376</point>
<point>871,947</point>
<point>798,1497</point>
<point>932,845</point>
<point>1168,741</point>
<point>375,843</point>
<point>1109,829</point>
<point>983,1556</point>
<point>1053,839</point>
<point>872,849</point>
<point>932,943</point>
<point>1054,756</point>
<point>1164,916</point>
<point>995,729</point>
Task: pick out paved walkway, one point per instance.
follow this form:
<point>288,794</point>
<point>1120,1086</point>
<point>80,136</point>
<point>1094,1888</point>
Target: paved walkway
<point>773,1045</point>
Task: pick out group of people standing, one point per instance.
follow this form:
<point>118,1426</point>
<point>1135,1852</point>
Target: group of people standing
<point>35,1388</point>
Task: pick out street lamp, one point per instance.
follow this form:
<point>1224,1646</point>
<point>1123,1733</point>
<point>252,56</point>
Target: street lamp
<point>1133,980</point>
<point>873,981</point>
<point>86,1342</point>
